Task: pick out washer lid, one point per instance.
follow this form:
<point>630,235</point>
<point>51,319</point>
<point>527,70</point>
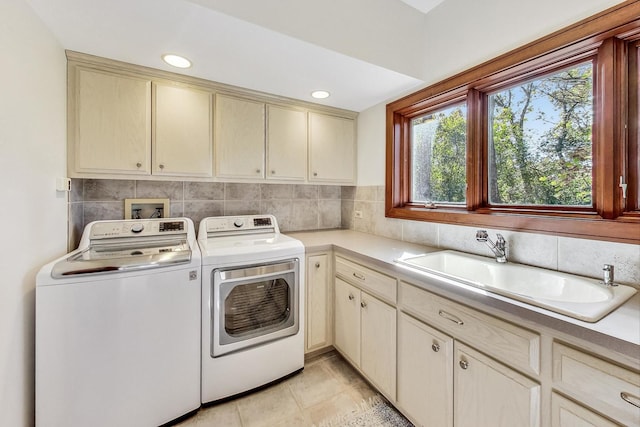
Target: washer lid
<point>101,258</point>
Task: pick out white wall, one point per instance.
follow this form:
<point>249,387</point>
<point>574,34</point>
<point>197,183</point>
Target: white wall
<point>382,32</point>
<point>33,214</point>
<point>464,33</point>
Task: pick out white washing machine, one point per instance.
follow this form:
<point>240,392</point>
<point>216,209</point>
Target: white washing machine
<point>118,327</point>
<point>252,304</point>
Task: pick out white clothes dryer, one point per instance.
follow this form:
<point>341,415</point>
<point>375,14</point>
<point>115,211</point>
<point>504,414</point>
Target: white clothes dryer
<point>252,304</point>
<point>118,327</point>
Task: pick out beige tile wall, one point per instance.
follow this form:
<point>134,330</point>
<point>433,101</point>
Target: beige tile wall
<point>296,207</point>
<point>577,256</point>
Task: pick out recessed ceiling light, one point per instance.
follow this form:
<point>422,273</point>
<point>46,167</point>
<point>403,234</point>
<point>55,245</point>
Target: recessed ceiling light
<point>176,60</point>
<point>320,94</point>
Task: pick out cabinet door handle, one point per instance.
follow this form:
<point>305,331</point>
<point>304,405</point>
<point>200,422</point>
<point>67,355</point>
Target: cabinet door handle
<point>464,364</point>
<point>138,165</point>
<point>351,297</point>
<point>363,304</point>
<point>257,170</point>
<point>273,172</point>
<point>358,276</point>
<point>435,347</point>
<point>317,265</point>
<point>451,317</point>
<point>161,166</point>
<point>629,398</point>
<point>315,174</point>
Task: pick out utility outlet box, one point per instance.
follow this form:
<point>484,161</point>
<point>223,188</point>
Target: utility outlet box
<point>63,184</point>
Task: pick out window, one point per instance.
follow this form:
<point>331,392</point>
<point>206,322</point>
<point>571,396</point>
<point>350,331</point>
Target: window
<point>540,150</point>
<point>539,139</point>
<point>438,156</point>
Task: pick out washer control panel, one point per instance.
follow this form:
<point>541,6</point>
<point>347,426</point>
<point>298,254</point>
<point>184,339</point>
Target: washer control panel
<point>248,223</point>
<point>109,229</point>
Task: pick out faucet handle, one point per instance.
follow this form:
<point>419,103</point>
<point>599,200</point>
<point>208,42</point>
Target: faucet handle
<point>500,243</point>
<point>482,235</point>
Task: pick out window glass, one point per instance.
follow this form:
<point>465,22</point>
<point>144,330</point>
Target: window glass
<point>438,156</point>
<point>540,149</point>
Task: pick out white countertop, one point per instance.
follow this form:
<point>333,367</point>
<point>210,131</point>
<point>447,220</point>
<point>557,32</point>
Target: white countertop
<point>619,331</point>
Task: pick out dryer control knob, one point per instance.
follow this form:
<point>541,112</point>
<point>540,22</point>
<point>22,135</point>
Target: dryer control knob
<point>137,228</point>
<point>238,223</point>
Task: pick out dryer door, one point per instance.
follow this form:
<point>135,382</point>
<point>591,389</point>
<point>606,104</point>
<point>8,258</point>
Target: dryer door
<point>253,305</point>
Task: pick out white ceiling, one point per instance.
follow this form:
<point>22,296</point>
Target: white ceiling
<point>362,51</point>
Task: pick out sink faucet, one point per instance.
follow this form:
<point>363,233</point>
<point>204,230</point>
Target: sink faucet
<point>499,248</point>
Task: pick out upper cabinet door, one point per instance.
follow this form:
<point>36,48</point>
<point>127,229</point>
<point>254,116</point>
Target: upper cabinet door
<point>182,140</point>
<point>111,127</point>
<point>239,138</point>
<point>286,143</point>
<point>332,149</point>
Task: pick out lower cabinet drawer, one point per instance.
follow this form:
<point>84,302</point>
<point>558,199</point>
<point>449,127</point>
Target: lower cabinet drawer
<point>519,347</point>
<point>566,413</point>
<point>363,277</point>
<point>601,385</point>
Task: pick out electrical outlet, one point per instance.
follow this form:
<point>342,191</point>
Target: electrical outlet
<point>357,214</point>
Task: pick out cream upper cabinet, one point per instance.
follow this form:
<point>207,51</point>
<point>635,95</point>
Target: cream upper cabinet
<point>132,122</point>
<point>182,138</point>
<point>332,149</point>
<point>425,373</point>
<point>239,138</point>
<point>489,394</point>
<point>286,143</point>
<point>109,123</point>
<point>318,302</point>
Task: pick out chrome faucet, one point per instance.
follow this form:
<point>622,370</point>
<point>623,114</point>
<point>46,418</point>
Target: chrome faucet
<point>499,248</point>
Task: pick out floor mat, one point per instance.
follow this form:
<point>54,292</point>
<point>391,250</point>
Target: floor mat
<point>374,412</point>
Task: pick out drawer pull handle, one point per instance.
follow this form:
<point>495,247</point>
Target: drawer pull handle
<point>449,316</point>
<point>358,276</point>
<point>363,304</point>
<point>464,364</point>
<point>629,398</point>
<point>351,297</point>
<point>317,265</point>
<point>435,347</point>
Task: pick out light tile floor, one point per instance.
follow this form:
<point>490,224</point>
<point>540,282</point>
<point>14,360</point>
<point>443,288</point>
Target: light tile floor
<point>327,386</point>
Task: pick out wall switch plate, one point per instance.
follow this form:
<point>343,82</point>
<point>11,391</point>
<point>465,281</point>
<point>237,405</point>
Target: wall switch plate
<point>63,184</point>
<point>357,214</point>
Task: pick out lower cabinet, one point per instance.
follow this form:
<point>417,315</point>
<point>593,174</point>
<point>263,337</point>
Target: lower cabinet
<point>489,394</point>
<point>597,384</point>
<point>318,299</point>
<point>365,333</point>
<point>442,382</point>
<point>566,413</point>
<point>425,373</point>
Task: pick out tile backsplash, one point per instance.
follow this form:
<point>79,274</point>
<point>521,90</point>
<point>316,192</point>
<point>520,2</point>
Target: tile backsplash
<point>301,207</point>
<point>578,256</point>
<point>297,207</point>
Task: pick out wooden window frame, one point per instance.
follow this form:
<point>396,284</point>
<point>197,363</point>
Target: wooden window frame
<point>607,39</point>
